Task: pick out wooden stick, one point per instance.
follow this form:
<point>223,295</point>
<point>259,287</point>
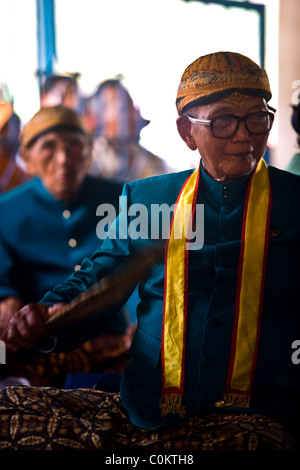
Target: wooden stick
<point>109,292</point>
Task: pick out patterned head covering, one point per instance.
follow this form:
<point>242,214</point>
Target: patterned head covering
<point>49,119</point>
<point>216,76</point>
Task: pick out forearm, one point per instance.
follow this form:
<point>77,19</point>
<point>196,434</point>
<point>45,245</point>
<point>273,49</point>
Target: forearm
<point>109,319</point>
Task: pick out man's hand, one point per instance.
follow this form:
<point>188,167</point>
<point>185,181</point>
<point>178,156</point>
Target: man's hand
<point>8,307</point>
<point>26,327</point>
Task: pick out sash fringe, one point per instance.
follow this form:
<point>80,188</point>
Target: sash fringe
<point>234,399</point>
<point>172,403</point>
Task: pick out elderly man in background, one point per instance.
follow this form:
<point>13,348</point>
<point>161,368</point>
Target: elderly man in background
<point>48,226</point>
<point>214,361</point>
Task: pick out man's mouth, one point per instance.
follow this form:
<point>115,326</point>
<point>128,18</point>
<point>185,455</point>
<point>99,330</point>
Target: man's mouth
<point>243,154</point>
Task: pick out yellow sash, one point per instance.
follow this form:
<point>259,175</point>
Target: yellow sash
<point>175,299</point>
<point>254,244</point>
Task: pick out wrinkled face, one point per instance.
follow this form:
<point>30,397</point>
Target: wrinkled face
<point>225,159</point>
<point>61,160</point>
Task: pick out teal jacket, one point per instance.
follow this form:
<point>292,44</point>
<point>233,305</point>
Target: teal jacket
<point>211,299</point>
<point>42,239</point>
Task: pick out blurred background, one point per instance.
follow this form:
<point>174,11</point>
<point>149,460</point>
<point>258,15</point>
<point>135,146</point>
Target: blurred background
<point>146,45</point>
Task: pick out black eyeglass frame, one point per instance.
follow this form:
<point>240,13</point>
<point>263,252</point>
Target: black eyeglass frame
<point>210,122</point>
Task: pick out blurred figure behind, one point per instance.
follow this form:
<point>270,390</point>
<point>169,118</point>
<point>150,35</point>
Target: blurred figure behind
<point>116,123</point>
<point>294,164</point>
<point>10,173</point>
<point>49,228</point>
<point>61,90</point>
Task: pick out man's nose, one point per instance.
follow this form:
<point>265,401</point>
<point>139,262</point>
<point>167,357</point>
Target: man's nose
<point>61,153</point>
<point>242,132</point>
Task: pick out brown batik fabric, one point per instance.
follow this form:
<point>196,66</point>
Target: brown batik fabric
<point>46,418</point>
<point>105,353</point>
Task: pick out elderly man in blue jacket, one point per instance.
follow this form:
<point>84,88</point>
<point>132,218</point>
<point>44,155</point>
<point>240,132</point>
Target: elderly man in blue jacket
<point>48,225</point>
<point>214,359</point>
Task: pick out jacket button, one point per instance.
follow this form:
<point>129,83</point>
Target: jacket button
<point>72,242</point>
<point>66,214</point>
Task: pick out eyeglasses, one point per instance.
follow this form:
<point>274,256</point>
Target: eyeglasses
<point>226,126</point>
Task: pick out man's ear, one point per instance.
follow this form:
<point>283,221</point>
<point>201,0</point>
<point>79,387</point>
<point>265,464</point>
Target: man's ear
<point>184,129</point>
<point>24,155</point>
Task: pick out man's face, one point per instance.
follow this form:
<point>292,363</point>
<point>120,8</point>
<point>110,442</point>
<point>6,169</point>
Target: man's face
<point>117,115</point>
<point>230,158</point>
<point>61,160</point>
